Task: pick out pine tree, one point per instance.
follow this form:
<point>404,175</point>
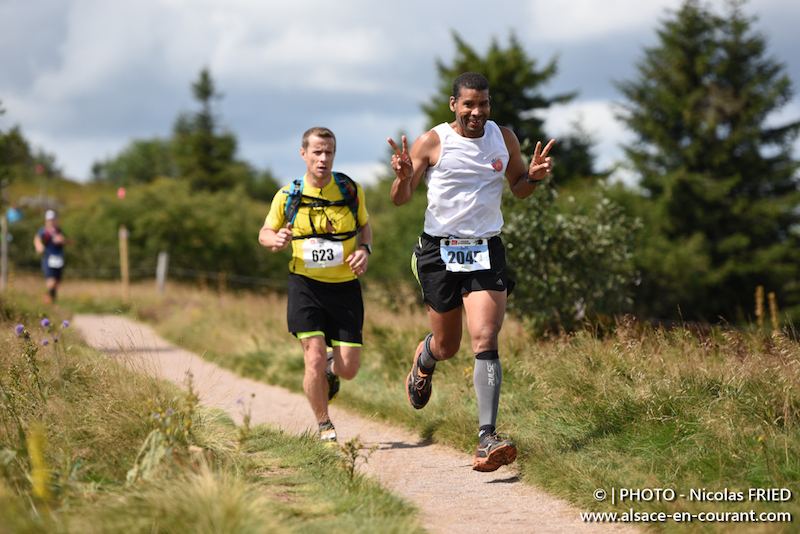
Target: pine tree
<point>203,153</point>
<point>720,175</point>
<point>199,151</point>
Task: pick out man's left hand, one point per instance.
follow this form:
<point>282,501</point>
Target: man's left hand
<point>541,165</point>
<point>358,261</point>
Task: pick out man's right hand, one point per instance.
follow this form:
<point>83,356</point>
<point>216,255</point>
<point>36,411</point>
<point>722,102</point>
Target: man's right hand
<point>275,240</point>
<point>283,237</point>
<point>401,160</point>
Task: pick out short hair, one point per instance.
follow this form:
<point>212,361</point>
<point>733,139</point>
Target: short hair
<point>319,131</point>
<point>470,80</point>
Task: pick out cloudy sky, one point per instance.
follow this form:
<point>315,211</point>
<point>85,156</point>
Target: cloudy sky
<point>85,77</point>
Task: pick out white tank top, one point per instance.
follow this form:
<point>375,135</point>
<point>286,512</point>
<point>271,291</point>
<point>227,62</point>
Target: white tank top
<point>466,184</point>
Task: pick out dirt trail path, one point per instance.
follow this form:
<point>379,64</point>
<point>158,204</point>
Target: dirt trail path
<point>438,480</point>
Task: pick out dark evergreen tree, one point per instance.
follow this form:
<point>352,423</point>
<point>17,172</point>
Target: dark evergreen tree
<point>204,154</point>
<point>722,178</point>
<point>199,151</point>
<point>15,152</point>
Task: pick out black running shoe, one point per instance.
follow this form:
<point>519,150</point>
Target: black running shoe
<point>418,384</point>
<point>333,382</point>
<point>493,452</point>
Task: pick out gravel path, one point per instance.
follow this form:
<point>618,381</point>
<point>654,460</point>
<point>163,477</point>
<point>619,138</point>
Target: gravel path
<point>438,480</point>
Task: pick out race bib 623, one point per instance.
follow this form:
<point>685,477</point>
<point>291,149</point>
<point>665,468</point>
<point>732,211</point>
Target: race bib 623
<point>320,253</point>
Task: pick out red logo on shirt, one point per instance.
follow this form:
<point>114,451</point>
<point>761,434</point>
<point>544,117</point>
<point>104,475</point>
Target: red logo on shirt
<point>497,164</point>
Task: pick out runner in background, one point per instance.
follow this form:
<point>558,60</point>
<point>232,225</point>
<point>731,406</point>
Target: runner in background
<point>323,216</point>
<point>49,243</point>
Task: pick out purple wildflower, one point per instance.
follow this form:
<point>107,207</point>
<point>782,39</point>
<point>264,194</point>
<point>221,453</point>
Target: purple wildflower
<point>65,324</point>
<point>45,322</point>
<point>19,329</point>
<point>44,342</point>
<point>169,411</point>
<point>240,401</point>
<point>55,339</point>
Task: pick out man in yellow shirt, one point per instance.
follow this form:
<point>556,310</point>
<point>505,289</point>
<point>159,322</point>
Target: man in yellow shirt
<point>324,218</point>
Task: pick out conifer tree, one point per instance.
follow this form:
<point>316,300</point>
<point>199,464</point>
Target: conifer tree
<point>203,153</point>
<point>720,175</point>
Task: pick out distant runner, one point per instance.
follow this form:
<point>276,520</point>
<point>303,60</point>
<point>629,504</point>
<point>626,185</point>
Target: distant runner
<point>459,259</point>
<point>323,215</point>
<point>49,243</point>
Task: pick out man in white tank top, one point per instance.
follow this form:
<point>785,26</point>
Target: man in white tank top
<point>459,260</point>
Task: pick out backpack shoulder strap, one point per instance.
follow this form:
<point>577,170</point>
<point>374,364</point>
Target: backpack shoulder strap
<point>293,202</point>
<point>349,190</point>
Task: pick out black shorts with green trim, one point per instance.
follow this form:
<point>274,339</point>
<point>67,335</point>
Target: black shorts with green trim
<point>443,290</point>
<point>336,310</point>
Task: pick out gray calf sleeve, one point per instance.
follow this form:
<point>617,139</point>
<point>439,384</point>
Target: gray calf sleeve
<point>487,377</point>
<point>426,359</point>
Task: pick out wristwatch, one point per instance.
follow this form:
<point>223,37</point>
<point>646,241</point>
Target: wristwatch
<point>369,248</point>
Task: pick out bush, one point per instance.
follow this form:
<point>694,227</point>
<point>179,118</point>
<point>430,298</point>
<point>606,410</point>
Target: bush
<point>201,230</point>
<point>570,259</point>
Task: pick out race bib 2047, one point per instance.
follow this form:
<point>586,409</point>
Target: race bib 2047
<point>465,255</point>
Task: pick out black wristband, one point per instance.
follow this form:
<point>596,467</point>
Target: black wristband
<point>532,181</point>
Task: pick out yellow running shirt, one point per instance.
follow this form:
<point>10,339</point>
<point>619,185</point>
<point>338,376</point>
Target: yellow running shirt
<point>320,259</point>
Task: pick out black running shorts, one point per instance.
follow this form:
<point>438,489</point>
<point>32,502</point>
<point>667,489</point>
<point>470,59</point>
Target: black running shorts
<point>337,310</point>
<point>443,290</point>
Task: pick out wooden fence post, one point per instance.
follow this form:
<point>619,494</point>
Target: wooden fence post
<point>3,252</point>
<point>161,271</point>
<point>123,263</point>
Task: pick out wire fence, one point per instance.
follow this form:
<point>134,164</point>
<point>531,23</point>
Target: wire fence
<point>221,277</point>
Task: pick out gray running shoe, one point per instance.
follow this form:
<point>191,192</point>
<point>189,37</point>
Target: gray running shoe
<point>493,452</point>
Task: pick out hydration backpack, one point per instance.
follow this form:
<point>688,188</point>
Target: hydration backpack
<point>348,189</point>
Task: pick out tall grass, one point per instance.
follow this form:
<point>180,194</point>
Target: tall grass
<point>76,425</point>
<point>631,407</point>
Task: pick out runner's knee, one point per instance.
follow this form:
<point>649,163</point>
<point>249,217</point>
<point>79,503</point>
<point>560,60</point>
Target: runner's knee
<point>349,363</point>
<point>484,337</point>
<point>315,362</point>
<point>349,370</point>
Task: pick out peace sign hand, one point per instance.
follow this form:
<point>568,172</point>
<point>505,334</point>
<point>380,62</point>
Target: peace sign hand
<point>401,161</point>
<point>541,165</point>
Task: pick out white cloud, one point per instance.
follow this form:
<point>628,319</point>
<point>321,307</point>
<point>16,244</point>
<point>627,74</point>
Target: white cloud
<point>329,60</point>
<point>366,173</point>
<point>103,41</point>
<point>584,20</point>
<point>102,73</point>
<point>112,40</point>
<point>573,21</point>
<point>597,119</point>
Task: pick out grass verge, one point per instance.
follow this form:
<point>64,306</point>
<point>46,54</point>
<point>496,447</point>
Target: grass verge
<point>708,415</point>
<point>89,444</point>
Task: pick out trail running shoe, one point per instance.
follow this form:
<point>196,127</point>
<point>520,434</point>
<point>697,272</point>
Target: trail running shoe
<point>418,384</point>
<point>493,452</point>
<point>333,382</point>
<point>327,434</point>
